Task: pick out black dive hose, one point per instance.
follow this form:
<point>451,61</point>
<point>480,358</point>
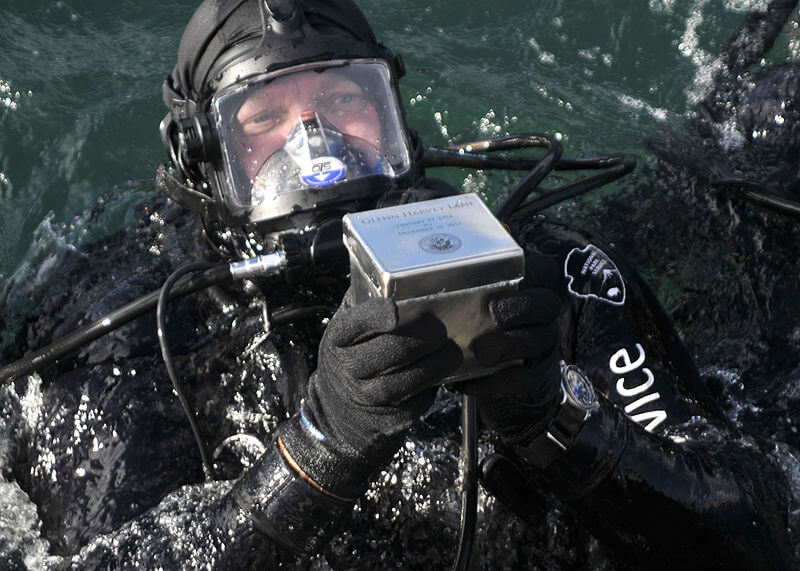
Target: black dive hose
<point>110,322</point>
<point>759,194</point>
<point>619,166</point>
<point>469,423</point>
<point>166,354</point>
<point>458,156</point>
<point>613,167</point>
<point>282,316</point>
<point>260,266</point>
<point>469,477</point>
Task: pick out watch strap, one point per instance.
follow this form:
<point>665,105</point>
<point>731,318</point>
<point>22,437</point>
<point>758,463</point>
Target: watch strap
<point>557,437</point>
<point>570,416</point>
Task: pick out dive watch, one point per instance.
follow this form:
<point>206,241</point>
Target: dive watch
<point>578,400</point>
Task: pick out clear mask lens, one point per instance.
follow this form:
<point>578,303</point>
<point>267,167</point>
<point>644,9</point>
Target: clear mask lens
<point>307,129</point>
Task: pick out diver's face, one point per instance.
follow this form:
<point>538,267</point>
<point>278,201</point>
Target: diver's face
<point>268,115</point>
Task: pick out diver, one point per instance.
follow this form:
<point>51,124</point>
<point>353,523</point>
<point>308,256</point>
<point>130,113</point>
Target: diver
<point>750,113</point>
<point>333,443</point>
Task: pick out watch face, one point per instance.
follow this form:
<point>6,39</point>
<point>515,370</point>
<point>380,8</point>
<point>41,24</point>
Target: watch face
<point>579,387</point>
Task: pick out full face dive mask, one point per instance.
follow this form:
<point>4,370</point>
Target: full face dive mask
<point>303,137</point>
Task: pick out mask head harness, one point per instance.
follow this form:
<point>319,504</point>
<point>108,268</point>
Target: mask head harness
<point>237,52</point>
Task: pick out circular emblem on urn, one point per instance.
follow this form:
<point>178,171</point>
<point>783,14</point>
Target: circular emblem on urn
<point>440,243</point>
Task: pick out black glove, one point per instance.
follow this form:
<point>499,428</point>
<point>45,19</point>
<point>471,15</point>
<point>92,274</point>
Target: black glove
<point>518,400</point>
<point>373,381</point>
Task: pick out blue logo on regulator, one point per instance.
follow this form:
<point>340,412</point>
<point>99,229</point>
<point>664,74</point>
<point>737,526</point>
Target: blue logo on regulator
<point>323,171</point>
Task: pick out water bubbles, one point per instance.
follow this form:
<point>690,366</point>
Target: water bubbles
<point>661,5</point>
<point>742,6</point>
<point>729,136</point>
<point>638,104</point>
<point>5,186</point>
<point>8,99</point>
<point>32,402</point>
<point>543,55</point>
<point>476,182</point>
<point>488,126</point>
<point>439,118</point>
<point>419,97</point>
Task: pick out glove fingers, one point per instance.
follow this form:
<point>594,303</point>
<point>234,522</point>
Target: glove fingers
<point>384,353</point>
<point>405,345</point>
<point>350,325</point>
<point>501,346</point>
<point>397,386</point>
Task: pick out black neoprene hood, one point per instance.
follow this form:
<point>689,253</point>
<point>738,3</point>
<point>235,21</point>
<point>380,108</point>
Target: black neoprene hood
<point>226,41</point>
<point>232,45</point>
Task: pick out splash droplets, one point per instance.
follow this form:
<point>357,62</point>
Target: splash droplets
<point>10,99</point>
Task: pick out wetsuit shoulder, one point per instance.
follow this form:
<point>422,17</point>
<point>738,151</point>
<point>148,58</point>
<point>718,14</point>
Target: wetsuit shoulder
<point>613,325</point>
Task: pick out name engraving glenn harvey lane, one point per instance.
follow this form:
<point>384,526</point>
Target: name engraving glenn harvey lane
<point>413,212</point>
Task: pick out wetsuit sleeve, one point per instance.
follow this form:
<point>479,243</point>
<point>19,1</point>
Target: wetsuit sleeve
<point>287,505</point>
<point>269,518</point>
<point>657,471</point>
<point>660,503</point>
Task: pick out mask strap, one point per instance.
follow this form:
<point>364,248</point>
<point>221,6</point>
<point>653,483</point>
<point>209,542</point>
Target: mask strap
<point>186,196</point>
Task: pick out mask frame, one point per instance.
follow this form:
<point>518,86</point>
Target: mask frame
<point>235,182</point>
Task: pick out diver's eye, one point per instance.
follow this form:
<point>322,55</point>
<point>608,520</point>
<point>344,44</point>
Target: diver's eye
<point>262,122</point>
<point>343,103</point>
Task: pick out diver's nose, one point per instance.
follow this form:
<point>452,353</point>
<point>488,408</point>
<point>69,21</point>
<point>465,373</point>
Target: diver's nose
<point>321,135</point>
<point>305,131</point>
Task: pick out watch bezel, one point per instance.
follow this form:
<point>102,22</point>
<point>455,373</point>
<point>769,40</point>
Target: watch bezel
<point>570,417</point>
<point>574,381</point>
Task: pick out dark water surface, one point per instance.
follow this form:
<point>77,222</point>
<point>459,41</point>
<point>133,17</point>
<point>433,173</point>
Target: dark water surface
<point>80,86</point>
<point>80,102</point>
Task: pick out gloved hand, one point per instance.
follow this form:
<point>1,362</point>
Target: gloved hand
<point>373,381</point>
<point>517,400</point>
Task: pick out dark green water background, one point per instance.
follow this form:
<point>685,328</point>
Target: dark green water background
<point>80,86</point>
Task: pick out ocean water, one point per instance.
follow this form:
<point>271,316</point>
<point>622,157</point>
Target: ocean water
<point>80,103</point>
<point>80,86</point>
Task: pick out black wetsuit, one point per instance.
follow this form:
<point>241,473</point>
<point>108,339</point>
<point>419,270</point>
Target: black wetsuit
<point>101,439</point>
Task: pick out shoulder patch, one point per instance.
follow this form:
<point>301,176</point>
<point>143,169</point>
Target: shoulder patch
<point>590,273</point>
